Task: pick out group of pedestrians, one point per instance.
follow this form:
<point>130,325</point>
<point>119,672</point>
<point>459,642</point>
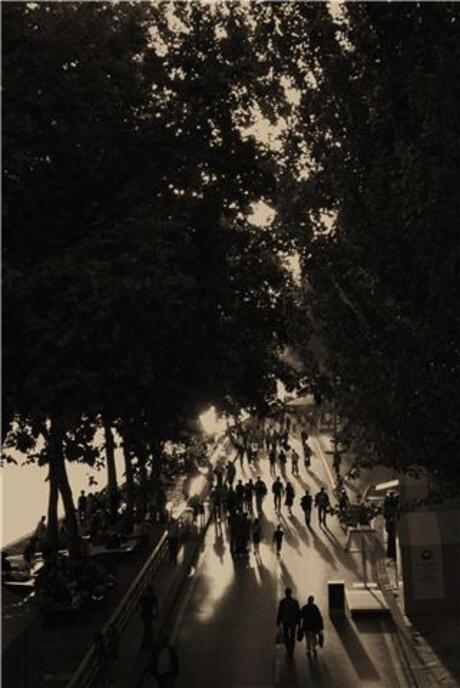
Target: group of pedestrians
<point>296,623</point>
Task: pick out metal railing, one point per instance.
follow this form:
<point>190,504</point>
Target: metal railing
<point>91,664</point>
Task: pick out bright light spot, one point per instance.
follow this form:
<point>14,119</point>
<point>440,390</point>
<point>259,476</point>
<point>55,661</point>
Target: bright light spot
<point>281,392</point>
<point>198,484</point>
<point>262,215</point>
<point>211,423</point>
<point>244,415</point>
<point>292,263</point>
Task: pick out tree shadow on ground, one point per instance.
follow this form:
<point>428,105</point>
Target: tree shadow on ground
<point>362,663</point>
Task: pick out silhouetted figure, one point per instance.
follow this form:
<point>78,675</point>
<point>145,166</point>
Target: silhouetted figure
<point>278,491</point>
<point>344,502</point>
<point>290,494</point>
<point>240,493</point>
<point>82,505</point>
<point>248,496</point>
<point>40,532</point>
<point>336,461</point>
<point>306,503</point>
<point>295,462</point>
<point>164,664</point>
<point>278,536</point>
<point>149,610</point>
<point>260,490</point>
<point>288,618</point>
<point>311,623</point>
<point>231,472</point>
<point>272,460</point>
<point>390,513</point>
<point>256,536</point>
<point>322,503</point>
<point>283,460</point>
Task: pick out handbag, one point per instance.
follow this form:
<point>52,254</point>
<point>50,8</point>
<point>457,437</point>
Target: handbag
<point>279,638</point>
<point>321,639</point>
<point>300,634</point>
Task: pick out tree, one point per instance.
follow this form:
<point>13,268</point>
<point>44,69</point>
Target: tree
<point>374,214</point>
<point>134,285</point>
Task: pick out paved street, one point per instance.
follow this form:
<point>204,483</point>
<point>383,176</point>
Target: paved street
<point>225,622</point>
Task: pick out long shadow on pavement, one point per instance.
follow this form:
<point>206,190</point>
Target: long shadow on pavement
<point>290,537</point>
<point>321,548</point>
<point>315,479</point>
<point>355,650</point>
<point>300,527</point>
<point>288,580</point>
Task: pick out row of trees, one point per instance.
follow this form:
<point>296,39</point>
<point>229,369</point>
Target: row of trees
<point>136,289</point>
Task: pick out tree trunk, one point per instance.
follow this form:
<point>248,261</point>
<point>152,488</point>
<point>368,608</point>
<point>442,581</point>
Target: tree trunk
<point>157,449</point>
<point>52,533</point>
<point>112,486</point>
<point>142,464</point>
<point>129,472</point>
<point>58,461</point>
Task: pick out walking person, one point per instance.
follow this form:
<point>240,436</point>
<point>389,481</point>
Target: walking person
<point>248,496</point>
<point>260,490</point>
<point>149,611</point>
<point>102,654</point>
<point>164,664</point>
<point>290,494</point>
<point>256,537</point>
<point>232,500</point>
<point>278,536</point>
<point>288,619</point>
<point>201,513</point>
<point>295,462</point>
<point>82,506</point>
<point>307,452</point>
<point>322,503</point>
<point>278,491</point>
<point>40,532</point>
<point>311,624</point>
<point>216,503</point>
<point>306,503</point>
<point>344,503</point>
<point>336,461</point>
<point>240,492</point>
<point>272,460</point>
<point>283,461</point>
<point>268,439</point>
<point>231,473</point>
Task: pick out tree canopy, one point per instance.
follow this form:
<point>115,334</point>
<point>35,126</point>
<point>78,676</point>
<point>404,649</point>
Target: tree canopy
<point>137,286</point>
<point>374,148</point>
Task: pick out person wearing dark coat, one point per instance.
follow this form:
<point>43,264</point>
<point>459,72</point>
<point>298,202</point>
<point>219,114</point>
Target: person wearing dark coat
<point>290,494</point>
<point>306,503</point>
<point>164,664</point>
<point>288,618</point>
<point>149,611</point>
<point>311,623</point>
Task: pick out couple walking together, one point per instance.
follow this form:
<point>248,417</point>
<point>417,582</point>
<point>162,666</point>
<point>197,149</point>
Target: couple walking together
<point>297,623</point>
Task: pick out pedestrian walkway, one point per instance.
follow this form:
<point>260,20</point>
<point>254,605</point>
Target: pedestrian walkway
<point>224,626</point>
